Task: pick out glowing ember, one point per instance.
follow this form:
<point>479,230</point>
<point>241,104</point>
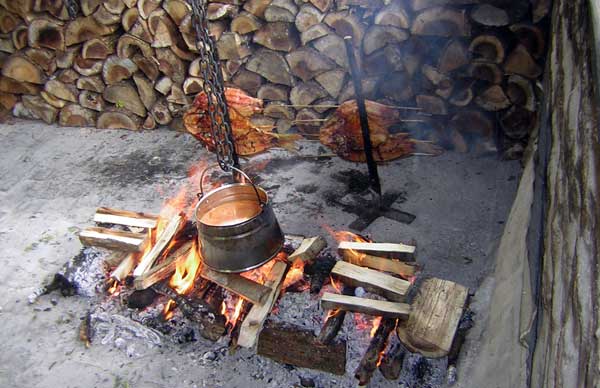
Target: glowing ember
<point>182,280</point>
<point>114,287</point>
<point>294,275</point>
<point>376,322</point>
<point>331,313</point>
<point>168,310</point>
<point>231,308</point>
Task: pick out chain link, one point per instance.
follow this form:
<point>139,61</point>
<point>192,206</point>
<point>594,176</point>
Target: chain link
<point>220,125</point>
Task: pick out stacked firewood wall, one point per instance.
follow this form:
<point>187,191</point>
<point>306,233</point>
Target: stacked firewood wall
<point>473,69</point>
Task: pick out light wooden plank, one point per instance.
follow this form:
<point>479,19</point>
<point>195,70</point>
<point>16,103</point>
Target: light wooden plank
<point>255,319</point>
<point>113,239</point>
<point>436,312</point>
<point>330,301</point>
<point>164,269</point>
<point>380,263</point>
<point>239,285</point>
<point>125,217</point>
<point>377,282</point>
<point>308,249</point>
<point>174,225</point>
<point>124,268</point>
<point>390,250</point>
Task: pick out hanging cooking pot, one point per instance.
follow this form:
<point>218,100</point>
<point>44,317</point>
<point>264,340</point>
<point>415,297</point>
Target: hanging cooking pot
<point>237,229</point>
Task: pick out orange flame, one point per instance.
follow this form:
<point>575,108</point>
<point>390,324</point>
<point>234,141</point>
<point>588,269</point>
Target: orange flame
<point>182,280</point>
<point>376,323</point>
<point>295,274</point>
<point>168,310</point>
<point>331,313</point>
<point>232,311</point>
<point>335,284</point>
<point>114,287</point>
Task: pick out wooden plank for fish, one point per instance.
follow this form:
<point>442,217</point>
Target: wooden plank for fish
<point>170,231</point>
<point>125,217</point>
<point>390,250</point>
<point>258,314</point>
<point>163,270</point>
<point>434,318</point>
<point>308,249</point>
<point>379,263</point>
<point>113,239</point>
<point>239,285</point>
<point>330,301</point>
<point>377,282</point>
<point>124,268</point>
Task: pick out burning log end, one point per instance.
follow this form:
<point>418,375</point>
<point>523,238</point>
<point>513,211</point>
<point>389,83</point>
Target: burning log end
<point>373,355</point>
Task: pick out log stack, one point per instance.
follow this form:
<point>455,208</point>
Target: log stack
<point>471,67</point>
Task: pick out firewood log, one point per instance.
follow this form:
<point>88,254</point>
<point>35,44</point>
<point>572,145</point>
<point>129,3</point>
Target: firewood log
<point>21,68</point>
<point>40,108</point>
<point>462,95</point>
<point>393,15</point>
<point>149,123</point>
<point>431,104</point>
<point>192,85</point>
<point>378,37</point>
<point>233,46</point>
<point>130,3</point>
<point>519,61</point>
<point>53,7</point>
<point>520,92</point>
<point>117,69</point>
<point>256,7</point>
<point>472,122</point>
<point>65,59</point>
<point>531,37</point>
<point>8,101</point>
<point>93,84</point>
<point>126,96</point>
<point>6,45</point>
<point>160,112</point>
<point>346,24</point>
<point>163,85</point>
<point>277,36</point>
<point>281,11</point>
<point>61,90</point>
<point>44,58</point>
<point>91,100</point>
<point>279,110</point>
<point>332,81</point>
<point>493,99</point>
<point>453,56</point>
<point>9,85</point>
<point>487,48</point>
<point>489,72</point>
<point>148,66</point>
<point>273,92</point>
<point>308,120</point>
<point>306,63</point>
<point>114,6</point>
<point>307,17</point>
<point>87,67</point>
<point>272,66</point>
<point>322,5</point>
<point>145,89</point>
<point>176,9</point>
<point>19,110</point>
<point>304,93</point>
<point>177,96</point>
<point>105,17</point>
<point>129,18</point>
<point>89,6</point>
<point>118,120</point>
<point>248,81</point>
<point>128,45</point>
<point>490,16</point>
<point>441,21</point>
<point>97,48</point>
<point>86,28</point>
<point>374,352</point>
<point>45,33</point>
<point>140,29</point>
<point>8,21</point>
<point>517,122</point>
<point>332,46</point>
<point>53,100</point>
<point>216,11</point>
<point>171,65</point>
<point>145,7</point>
<point>314,32</point>
<point>19,37</point>
<point>73,115</point>
<point>392,58</point>
<point>369,5</point>
<point>245,23</point>
<point>393,359</point>
<point>20,8</point>
<point>68,76</point>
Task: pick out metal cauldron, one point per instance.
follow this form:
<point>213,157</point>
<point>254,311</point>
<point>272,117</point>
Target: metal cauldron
<point>237,229</point>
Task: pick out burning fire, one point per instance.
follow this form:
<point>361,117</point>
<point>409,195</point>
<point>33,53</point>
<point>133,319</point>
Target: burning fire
<point>376,323</point>
<point>114,287</point>
<point>294,275</point>
<point>182,280</point>
<point>168,310</point>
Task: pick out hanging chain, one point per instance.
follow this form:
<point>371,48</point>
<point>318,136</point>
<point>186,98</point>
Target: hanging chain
<point>220,125</point>
<point>72,8</point>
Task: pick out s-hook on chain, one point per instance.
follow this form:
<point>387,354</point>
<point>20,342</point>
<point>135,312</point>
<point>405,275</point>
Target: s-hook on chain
<point>220,125</point>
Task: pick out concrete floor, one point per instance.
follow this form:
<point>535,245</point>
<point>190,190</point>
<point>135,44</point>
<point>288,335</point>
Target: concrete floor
<point>52,179</point>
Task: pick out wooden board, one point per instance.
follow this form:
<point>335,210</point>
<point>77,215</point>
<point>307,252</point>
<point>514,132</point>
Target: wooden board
<point>434,318</point>
<point>377,282</point>
<point>257,316</point>
<point>330,301</point>
<point>380,263</point>
<point>296,346</point>
<point>390,250</point>
<point>164,269</point>
<point>308,249</point>
<point>163,240</point>
<point>125,217</point>
<point>239,285</point>
<point>113,239</point>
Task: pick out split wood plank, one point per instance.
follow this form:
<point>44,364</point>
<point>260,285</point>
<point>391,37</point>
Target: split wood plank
<point>331,301</point>
<point>380,263</point>
<point>113,239</point>
<point>257,316</point>
<point>377,282</point>
<point>390,250</point>
<point>247,289</point>
<point>297,346</point>
<point>124,268</point>
<point>308,249</point>
<point>436,312</point>
<point>125,217</point>
<point>164,269</point>
<point>170,231</point>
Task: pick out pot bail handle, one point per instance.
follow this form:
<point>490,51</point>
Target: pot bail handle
<point>246,177</point>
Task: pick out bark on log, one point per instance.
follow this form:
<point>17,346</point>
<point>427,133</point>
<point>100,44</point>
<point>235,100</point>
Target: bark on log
<point>520,92</point>
<point>19,37</point>
<point>177,10</point>
<point>279,110</point>
<point>145,7</point>
<point>117,69</point>
<point>105,17</point>
<point>88,7</point>
<point>129,18</point>
<point>128,46</point>
<point>73,115</point>
<point>97,49</point>
<point>45,33</point>
<point>487,48</point>
<point>371,358</point>
<point>88,67</point>
<point>192,85</point>
<point>124,95</point>
<point>22,69</point>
